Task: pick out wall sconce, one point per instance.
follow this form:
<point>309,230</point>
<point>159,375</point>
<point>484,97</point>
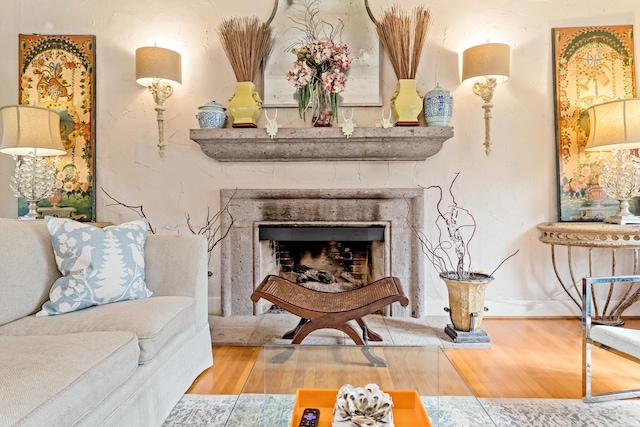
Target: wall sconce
<point>157,68</point>
<point>491,61</point>
<point>29,134</point>
<point>615,126</point>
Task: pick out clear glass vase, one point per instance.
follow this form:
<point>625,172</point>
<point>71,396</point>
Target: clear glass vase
<point>322,114</point>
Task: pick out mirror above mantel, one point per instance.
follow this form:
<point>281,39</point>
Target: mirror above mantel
<point>322,144</point>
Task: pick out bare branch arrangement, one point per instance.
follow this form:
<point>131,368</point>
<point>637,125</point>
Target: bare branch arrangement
<point>403,35</point>
<point>308,21</point>
<point>449,254</point>
<point>212,232</point>
<point>245,41</point>
<point>137,209</point>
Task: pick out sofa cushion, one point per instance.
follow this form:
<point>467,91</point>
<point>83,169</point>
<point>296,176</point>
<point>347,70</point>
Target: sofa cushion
<point>74,374</point>
<point>154,321</point>
<point>27,268</point>
<point>98,265</point>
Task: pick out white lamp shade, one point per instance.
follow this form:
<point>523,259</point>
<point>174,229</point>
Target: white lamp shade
<point>614,125</point>
<point>157,63</point>
<point>490,60</point>
<point>30,130</point>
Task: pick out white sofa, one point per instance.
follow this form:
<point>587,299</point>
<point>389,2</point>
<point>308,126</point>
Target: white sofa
<point>120,364</point>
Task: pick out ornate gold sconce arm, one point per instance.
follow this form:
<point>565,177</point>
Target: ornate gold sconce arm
<point>485,91</point>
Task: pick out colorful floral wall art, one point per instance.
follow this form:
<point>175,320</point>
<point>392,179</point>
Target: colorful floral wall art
<point>58,72</point>
<point>592,65</point>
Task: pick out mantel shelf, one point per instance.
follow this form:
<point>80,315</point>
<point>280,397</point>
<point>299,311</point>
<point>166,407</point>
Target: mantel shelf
<point>321,144</point>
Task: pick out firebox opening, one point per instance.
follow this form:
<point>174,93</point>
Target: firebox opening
<point>328,259</point>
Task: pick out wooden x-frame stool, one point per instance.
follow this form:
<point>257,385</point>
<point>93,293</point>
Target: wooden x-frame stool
<point>319,310</point>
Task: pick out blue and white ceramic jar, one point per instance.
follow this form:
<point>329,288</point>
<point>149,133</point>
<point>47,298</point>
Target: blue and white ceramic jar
<point>211,115</point>
<point>438,107</point>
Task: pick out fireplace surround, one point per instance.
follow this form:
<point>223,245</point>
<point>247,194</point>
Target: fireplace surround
<point>391,208</point>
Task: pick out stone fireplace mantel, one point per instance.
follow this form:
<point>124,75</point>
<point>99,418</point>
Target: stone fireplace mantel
<point>322,144</point>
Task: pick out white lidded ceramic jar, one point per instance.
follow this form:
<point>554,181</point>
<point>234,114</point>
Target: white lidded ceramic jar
<point>438,107</point>
<point>211,115</point>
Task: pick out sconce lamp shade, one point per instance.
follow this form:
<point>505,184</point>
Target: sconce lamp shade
<point>30,130</point>
<point>157,63</point>
<point>490,59</point>
<point>613,125</point>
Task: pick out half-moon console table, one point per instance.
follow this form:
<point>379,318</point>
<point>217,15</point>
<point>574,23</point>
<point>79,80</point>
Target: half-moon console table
<point>321,144</point>
<point>595,235</point>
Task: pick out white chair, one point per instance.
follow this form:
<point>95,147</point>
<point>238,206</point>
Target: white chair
<point>624,342</point>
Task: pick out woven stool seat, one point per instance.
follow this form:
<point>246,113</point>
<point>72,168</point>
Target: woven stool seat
<point>332,310</point>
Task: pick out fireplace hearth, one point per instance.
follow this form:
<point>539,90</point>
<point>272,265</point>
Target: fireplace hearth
<point>323,229</point>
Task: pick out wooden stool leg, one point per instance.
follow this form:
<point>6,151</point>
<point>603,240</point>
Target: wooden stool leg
<point>292,333</point>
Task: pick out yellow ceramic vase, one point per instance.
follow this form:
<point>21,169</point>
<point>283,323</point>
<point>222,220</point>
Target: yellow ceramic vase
<point>245,105</point>
<point>406,104</point>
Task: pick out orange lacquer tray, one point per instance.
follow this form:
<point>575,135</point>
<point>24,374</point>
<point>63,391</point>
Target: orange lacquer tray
<point>408,410</point>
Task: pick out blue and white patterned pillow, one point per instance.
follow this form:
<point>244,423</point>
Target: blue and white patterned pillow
<point>98,265</point>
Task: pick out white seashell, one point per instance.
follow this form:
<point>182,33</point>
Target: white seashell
<point>363,406</point>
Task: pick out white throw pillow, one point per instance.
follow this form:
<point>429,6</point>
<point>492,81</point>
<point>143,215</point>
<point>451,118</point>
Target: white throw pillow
<point>98,265</point>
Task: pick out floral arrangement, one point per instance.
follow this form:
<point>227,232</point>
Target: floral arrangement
<point>321,67</point>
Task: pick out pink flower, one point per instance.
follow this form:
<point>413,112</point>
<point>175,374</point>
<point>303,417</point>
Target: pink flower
<point>321,58</point>
<point>334,81</point>
<point>301,74</point>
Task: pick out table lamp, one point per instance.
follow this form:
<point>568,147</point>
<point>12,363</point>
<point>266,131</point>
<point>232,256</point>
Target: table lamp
<point>615,127</point>
<point>156,69</point>
<point>30,134</point>
<point>493,62</point>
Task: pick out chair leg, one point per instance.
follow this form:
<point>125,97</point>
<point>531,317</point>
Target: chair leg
<point>312,325</point>
<point>371,336</point>
<point>586,371</point>
<point>292,333</point>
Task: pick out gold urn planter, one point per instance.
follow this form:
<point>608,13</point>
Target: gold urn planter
<point>466,306</point>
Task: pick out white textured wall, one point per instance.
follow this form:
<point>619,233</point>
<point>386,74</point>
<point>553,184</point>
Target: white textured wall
<point>509,192</point>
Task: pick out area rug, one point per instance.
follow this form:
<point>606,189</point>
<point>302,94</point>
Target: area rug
<point>274,411</point>
<point>268,328</point>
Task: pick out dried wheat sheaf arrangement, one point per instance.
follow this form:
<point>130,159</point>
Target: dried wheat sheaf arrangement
<point>403,34</point>
<point>245,41</point>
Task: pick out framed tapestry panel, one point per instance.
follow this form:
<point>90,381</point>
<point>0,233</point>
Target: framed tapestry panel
<point>592,65</point>
<point>58,72</point>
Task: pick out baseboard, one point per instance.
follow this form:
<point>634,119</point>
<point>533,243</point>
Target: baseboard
<point>215,305</point>
<point>526,308</point>
<point>497,308</point>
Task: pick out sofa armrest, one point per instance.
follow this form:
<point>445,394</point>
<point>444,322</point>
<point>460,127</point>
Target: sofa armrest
<point>178,265</point>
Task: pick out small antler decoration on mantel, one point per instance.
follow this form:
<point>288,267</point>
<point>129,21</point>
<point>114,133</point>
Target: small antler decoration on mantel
<point>385,122</point>
<point>347,125</point>
<point>272,125</point>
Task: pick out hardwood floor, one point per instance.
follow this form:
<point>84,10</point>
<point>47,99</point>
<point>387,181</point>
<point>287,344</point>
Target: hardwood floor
<point>528,358</point>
